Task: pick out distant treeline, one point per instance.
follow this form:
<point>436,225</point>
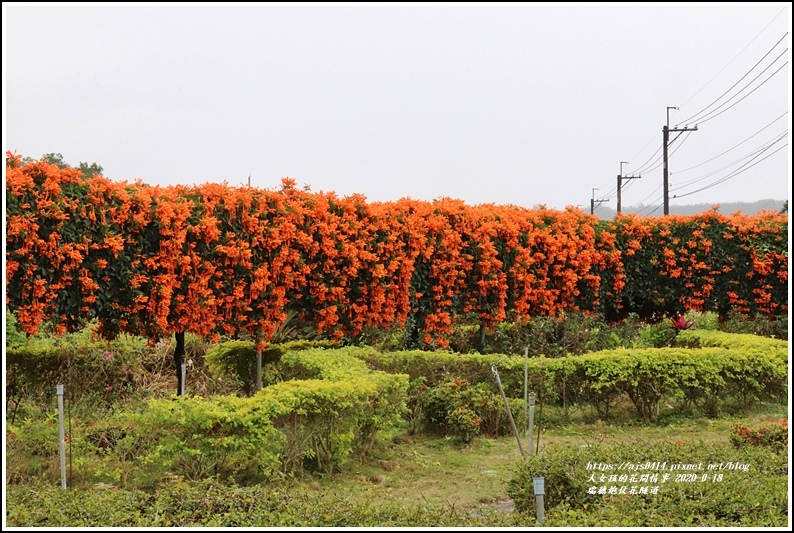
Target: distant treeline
<point>748,208</point>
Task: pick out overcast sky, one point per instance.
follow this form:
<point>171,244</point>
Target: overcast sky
<point>520,104</point>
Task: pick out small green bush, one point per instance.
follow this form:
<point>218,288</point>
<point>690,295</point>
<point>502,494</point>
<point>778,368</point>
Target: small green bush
<point>774,327</point>
<point>773,433</point>
<point>703,320</point>
<point>236,361</point>
<point>331,405</point>
<point>98,371</point>
<point>656,336</point>
<point>225,437</point>
<point>728,488</point>
<point>14,337</point>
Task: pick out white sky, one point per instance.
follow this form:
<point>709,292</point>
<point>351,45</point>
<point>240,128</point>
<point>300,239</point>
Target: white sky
<point>523,104</point>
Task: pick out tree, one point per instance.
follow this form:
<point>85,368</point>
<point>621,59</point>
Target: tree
<point>90,170</point>
<point>784,209</point>
<point>56,159</point>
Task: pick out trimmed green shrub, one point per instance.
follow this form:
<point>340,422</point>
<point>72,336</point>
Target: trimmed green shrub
<point>88,367</point>
<point>225,437</point>
<point>331,405</point>
<point>592,485</point>
<point>705,367</point>
<point>236,360</point>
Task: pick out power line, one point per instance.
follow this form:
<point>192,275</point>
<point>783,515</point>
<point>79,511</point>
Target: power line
<point>734,173</point>
<point>737,171</point>
<point>736,146</point>
<point>642,168</point>
<point>652,193</point>
<point>737,55</point>
<point>660,158</point>
<point>646,167</point>
<point>748,94</point>
<point>682,141</point>
<point>692,118</point>
<point>646,146</point>
<point>764,147</point>
<point>655,210</point>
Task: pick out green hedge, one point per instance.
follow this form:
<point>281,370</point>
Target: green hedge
<point>716,365</point>
<point>236,360</point>
<point>757,496</point>
<point>315,422</point>
<point>85,365</point>
<point>373,401</point>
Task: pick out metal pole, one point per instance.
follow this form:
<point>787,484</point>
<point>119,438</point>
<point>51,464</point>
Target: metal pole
<point>620,179</point>
<point>526,379</point>
<point>184,372</point>
<point>539,492</point>
<point>666,172</point>
<point>509,412</point>
<point>59,391</point>
<point>531,420</point>
<point>259,369</point>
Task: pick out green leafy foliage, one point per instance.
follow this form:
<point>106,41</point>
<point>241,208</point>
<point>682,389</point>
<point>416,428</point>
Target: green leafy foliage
<point>14,337</point>
<point>745,368</point>
<point>224,437</point>
<point>330,407</point>
<point>211,504</point>
<point>775,327</point>
<point>235,360</point>
<point>656,336</point>
<point>574,333</point>
<point>745,487</point>
<point>323,406</point>
<point>773,433</point>
<point>86,365</point>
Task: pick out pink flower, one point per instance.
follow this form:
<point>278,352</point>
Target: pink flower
<point>107,356</point>
<point>681,323</point>
<point>109,388</point>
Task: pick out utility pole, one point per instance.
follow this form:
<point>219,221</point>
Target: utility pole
<point>665,139</point>
<point>593,201</point>
<point>621,177</point>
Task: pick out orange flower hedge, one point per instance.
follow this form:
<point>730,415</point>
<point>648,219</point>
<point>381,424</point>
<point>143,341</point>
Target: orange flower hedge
<point>707,262</point>
<point>215,259</point>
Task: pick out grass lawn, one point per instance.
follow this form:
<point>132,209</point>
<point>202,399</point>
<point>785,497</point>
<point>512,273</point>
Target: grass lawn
<point>438,471</point>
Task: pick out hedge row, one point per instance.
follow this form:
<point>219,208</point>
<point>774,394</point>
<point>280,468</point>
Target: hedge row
<point>329,407</point>
<point>313,423</point>
<point>743,367</point>
<point>217,260</point>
